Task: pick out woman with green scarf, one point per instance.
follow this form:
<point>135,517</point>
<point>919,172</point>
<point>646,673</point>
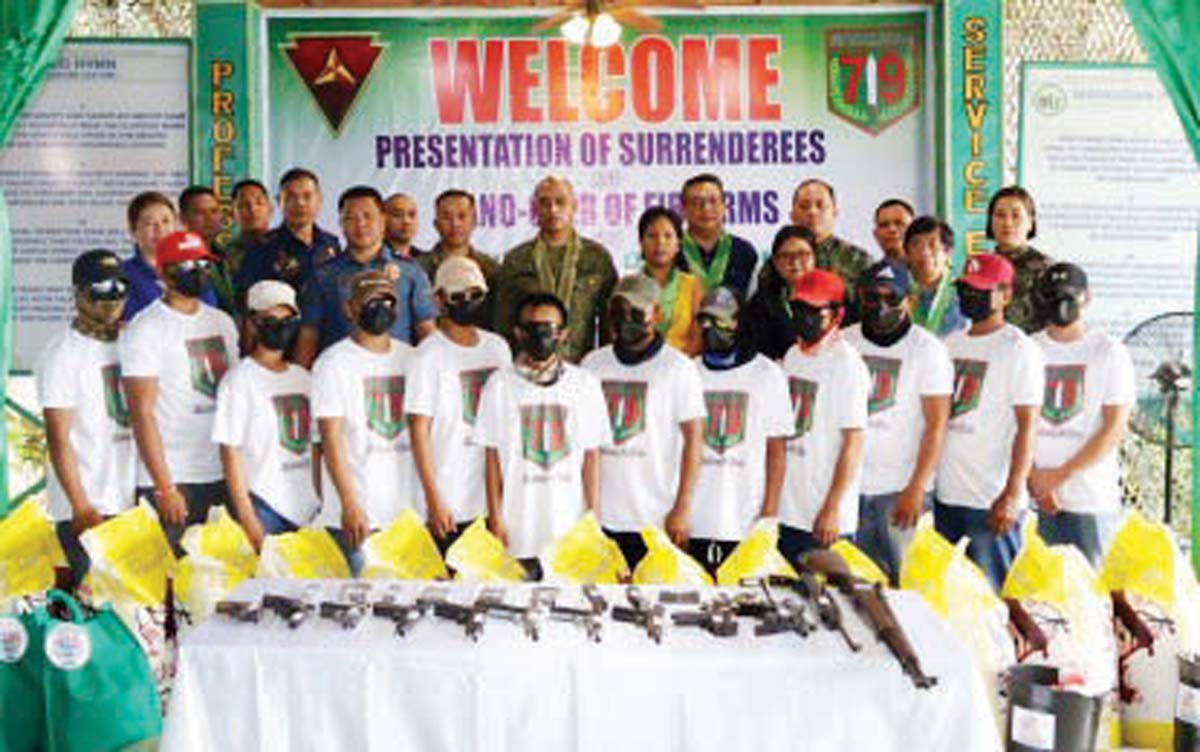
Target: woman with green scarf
<point>659,233</point>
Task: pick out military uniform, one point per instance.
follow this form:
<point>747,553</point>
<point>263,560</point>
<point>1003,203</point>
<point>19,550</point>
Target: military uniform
<point>285,257</point>
<point>848,261</point>
<point>430,261</point>
<point>1028,264</point>
<point>595,276</point>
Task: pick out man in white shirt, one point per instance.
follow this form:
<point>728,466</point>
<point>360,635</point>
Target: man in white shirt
<point>264,423</point>
<point>911,381</point>
<point>173,356</point>
<point>91,449</point>
<point>542,423</point>
<point>828,384</point>
<point>745,434</point>
<point>358,393</point>
<point>448,376</point>
<point>655,410</point>
<point>1090,391</point>
<point>989,444</point>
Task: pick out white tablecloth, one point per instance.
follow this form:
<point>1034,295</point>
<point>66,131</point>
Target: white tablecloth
<point>264,687</point>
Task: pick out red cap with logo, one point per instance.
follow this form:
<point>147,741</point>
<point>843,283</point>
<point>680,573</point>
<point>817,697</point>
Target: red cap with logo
<point>181,246</point>
<point>819,288</point>
<point>986,271</point>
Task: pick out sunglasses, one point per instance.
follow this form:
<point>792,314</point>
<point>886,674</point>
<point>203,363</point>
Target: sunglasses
<point>466,296</point>
<point>108,289</point>
<point>706,320</point>
<point>190,265</point>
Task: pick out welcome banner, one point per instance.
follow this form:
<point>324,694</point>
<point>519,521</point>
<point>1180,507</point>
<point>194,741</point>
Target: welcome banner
<point>420,103</point>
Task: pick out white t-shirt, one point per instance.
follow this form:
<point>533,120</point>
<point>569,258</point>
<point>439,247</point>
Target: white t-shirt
<point>76,372</point>
<point>188,354</point>
<point>639,473</point>
<point>746,406</point>
<point>366,389</point>
<point>917,366</point>
<point>541,434</point>
<point>1081,378</point>
<point>445,384</point>
<point>266,415</point>
<point>993,374</point>
<point>828,394</point>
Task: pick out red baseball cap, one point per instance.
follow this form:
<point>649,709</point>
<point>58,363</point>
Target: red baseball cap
<point>819,288</point>
<point>986,271</point>
<point>181,246</point>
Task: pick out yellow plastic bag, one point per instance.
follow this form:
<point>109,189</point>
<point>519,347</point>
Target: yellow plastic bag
<point>220,557</point>
<point>1063,596</point>
<point>860,564</point>
<point>665,564</point>
<point>131,558</point>
<point>756,556</point>
<point>29,551</point>
<point>403,551</point>
<point>1145,563</point>
<point>307,554</point>
<point>585,555</point>
<point>479,556</point>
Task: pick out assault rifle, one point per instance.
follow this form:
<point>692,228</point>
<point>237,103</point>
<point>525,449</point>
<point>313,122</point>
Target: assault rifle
<point>641,613</point>
<point>590,618</point>
<point>293,611</point>
<point>718,617</point>
<point>243,611</point>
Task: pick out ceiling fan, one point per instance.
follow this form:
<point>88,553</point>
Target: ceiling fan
<point>597,23</point>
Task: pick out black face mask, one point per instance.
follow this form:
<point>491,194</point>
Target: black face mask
<point>884,323</point>
<point>539,340</point>
<point>807,322</point>
<point>377,316</point>
<point>192,283</point>
<point>976,305</point>
<point>717,339</point>
<point>1062,309</point>
<point>631,328</point>
<point>277,334</point>
<point>465,313</point>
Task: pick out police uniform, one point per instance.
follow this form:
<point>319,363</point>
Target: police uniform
<point>285,257</point>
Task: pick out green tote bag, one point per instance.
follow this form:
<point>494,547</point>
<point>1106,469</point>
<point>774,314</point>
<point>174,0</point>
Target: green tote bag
<point>22,705</point>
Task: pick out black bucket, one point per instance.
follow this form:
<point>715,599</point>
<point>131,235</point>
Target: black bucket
<point>1187,709</point>
<point>1042,718</point>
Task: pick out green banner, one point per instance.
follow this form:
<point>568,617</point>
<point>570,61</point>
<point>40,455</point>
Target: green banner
<point>223,98</point>
<point>973,163</point>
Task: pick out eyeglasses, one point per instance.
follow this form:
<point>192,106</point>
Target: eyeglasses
<point>108,289</point>
<point>465,296</point>
<point>183,267</point>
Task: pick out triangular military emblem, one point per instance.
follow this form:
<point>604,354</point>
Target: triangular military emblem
<point>334,68</point>
<point>294,421</point>
<point>114,395</point>
<point>968,385</point>
<point>885,377</point>
<point>209,362</point>
<point>725,426</point>
<point>804,396</point>
<point>1064,392</point>
<point>385,405</point>
<point>544,439</point>
<point>472,383</point>
<point>626,402</point>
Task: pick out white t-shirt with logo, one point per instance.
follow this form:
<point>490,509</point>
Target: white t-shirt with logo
<point>745,406</point>
<point>189,355</point>
<point>367,390</point>
<point>647,402</point>
<point>828,393</point>
<point>1081,378</point>
<point>445,384</point>
<point>993,374</point>
<point>266,414</point>
<point>916,367</point>
<point>79,373</point>
<point>541,434</point>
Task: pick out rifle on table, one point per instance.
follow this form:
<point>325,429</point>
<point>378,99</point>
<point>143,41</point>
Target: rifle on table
<point>828,609</point>
<point>243,611</point>
<point>718,617</point>
<point>774,616</point>
<point>294,611</point>
<point>870,601</point>
<point>530,616</point>
<point>470,617</point>
<point>590,618</point>
<point>349,611</point>
<point>642,613</point>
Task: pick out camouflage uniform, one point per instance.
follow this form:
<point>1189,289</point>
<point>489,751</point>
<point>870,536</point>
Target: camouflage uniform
<point>848,261</point>
<point>1028,264</point>
<point>430,261</point>
<point>595,276</point>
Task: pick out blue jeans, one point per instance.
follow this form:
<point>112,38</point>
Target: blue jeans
<point>993,553</point>
<point>77,558</point>
<point>272,522</point>
<point>199,497</point>
<point>354,556</point>
<point>1076,529</point>
<point>878,537</point>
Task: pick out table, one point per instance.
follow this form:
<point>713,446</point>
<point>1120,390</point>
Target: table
<point>319,687</point>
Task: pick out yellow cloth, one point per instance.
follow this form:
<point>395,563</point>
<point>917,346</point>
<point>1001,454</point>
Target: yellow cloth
<point>679,332</point>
